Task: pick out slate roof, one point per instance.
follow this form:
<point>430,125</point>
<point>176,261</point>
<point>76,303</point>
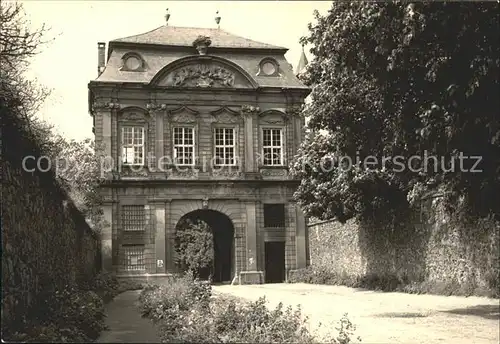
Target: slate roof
<point>184,36</point>
<point>168,36</point>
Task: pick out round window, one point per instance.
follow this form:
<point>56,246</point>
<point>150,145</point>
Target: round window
<point>268,68</point>
<point>133,63</point>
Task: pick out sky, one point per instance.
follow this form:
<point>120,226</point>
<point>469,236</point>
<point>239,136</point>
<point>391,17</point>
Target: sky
<point>69,61</point>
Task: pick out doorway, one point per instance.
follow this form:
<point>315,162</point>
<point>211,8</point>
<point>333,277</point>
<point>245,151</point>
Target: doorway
<point>222,229</point>
<point>274,261</point>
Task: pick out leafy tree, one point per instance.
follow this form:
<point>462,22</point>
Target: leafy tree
<point>78,171</point>
<point>77,163</point>
<point>194,245</point>
<point>397,80</point>
<point>18,44</point>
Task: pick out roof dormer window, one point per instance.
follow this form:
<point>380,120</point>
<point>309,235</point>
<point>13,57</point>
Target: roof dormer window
<point>132,62</point>
<point>268,67</point>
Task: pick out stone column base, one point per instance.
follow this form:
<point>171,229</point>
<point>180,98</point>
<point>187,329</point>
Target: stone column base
<point>251,277</point>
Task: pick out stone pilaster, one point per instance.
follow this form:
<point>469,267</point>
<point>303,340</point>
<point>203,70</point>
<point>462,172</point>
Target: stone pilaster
<point>107,238</point>
<point>105,112</point>
<point>251,236</point>
<point>296,120</point>
<point>169,239</point>
<point>106,132</point>
<point>251,275</point>
<point>249,113</point>
<point>160,239</point>
<point>300,238</point>
<point>158,114</point>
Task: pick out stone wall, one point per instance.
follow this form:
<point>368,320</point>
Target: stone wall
<point>431,247</point>
<point>46,242</point>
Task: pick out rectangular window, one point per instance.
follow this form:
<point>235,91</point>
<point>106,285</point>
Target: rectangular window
<point>225,146</point>
<point>274,215</point>
<point>133,145</point>
<point>133,217</point>
<point>183,146</point>
<point>134,257</point>
<point>272,147</point>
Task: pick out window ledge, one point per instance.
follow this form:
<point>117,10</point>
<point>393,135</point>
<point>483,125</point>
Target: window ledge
<point>276,167</point>
<point>173,166</point>
<point>134,165</point>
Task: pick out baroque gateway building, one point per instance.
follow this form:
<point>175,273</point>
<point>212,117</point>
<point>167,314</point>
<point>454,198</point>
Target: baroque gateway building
<point>201,124</point>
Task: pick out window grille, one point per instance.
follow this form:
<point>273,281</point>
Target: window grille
<point>133,217</point>
<point>225,146</point>
<point>184,146</point>
<point>134,257</point>
<point>133,145</point>
<point>274,215</point>
<point>272,147</point>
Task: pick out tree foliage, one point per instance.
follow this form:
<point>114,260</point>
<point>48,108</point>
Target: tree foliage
<point>75,163</point>
<point>78,171</point>
<point>18,44</point>
<point>194,245</point>
<point>400,79</point>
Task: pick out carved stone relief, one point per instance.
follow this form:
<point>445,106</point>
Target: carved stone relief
<point>226,118</point>
<point>132,116</point>
<point>272,121</point>
<point>184,118</point>
<point>274,173</point>
<point>105,105</point>
<point>155,107</point>
<point>130,173</point>
<point>249,109</point>
<point>226,174</point>
<point>202,75</point>
<point>226,115</point>
<point>187,173</point>
<point>294,110</point>
<point>273,117</point>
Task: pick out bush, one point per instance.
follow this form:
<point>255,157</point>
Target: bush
<point>68,315</point>
<point>322,276</point>
<point>392,283</point>
<point>185,311</point>
<point>71,314</point>
<point>105,285</point>
<point>194,246</point>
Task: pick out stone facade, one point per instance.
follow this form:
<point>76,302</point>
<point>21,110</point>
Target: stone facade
<point>177,101</point>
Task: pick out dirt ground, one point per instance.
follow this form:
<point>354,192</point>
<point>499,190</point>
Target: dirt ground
<point>385,317</point>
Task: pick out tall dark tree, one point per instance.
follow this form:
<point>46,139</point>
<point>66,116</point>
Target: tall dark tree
<point>397,80</point>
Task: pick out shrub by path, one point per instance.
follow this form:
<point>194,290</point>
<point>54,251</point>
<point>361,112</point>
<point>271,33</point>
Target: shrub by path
<point>125,322</point>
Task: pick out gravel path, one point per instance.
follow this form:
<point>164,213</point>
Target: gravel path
<point>125,322</point>
<point>385,317</point>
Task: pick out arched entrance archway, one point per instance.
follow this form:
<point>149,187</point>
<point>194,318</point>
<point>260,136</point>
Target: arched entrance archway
<point>223,235</point>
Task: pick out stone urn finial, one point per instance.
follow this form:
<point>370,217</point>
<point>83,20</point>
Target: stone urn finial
<point>201,44</point>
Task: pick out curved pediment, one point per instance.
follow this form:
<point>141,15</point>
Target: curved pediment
<point>226,115</point>
<point>133,113</point>
<point>273,117</point>
<point>203,72</point>
<point>183,114</point>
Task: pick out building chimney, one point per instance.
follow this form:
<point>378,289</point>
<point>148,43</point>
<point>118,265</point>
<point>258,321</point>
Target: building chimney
<point>101,57</point>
